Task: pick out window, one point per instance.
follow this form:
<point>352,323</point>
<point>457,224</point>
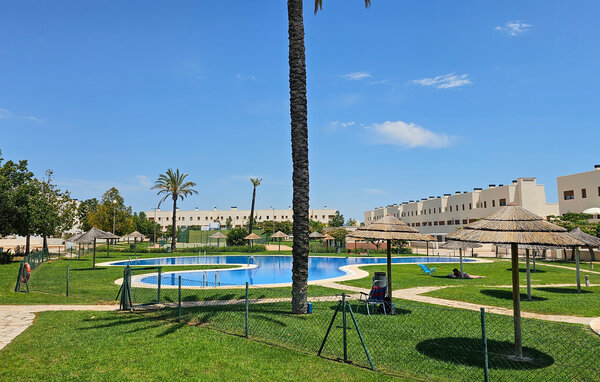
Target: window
<point>457,222</point>
<point>430,211</point>
<point>450,208</point>
<point>598,191</point>
<point>485,204</point>
<point>569,195</point>
<point>502,202</point>
<point>442,222</point>
<point>449,222</point>
<point>267,217</point>
<point>583,193</point>
<point>470,206</point>
<point>464,221</point>
<point>237,218</point>
<point>191,218</point>
<point>494,203</point>
<point>463,207</point>
<point>435,223</point>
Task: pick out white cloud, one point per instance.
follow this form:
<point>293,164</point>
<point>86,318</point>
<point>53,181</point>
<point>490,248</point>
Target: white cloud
<point>376,191</point>
<point>377,82</point>
<point>445,81</point>
<point>514,28</point>
<point>338,124</point>
<point>35,119</point>
<point>408,135</point>
<point>4,113</point>
<point>357,76</point>
<point>144,181</point>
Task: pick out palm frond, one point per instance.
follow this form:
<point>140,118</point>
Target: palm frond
<point>319,5</point>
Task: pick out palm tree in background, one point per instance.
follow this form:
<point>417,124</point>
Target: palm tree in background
<point>255,183</point>
<point>172,184</point>
<point>298,114</point>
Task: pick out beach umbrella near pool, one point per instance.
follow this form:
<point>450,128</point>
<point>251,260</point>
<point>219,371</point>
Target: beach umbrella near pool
<point>251,238</point>
<point>327,238</point>
<point>218,235</point>
<point>389,228</point>
<point>515,225</point>
<point>316,236</point>
<point>460,245</point>
<point>91,236</point>
<point>278,235</point>
<point>590,242</point>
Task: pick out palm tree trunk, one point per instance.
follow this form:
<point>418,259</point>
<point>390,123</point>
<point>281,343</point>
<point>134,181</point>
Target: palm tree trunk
<point>173,226</point>
<point>252,210</point>
<point>298,113</point>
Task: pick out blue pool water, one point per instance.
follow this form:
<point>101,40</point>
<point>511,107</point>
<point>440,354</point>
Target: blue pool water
<point>270,270</point>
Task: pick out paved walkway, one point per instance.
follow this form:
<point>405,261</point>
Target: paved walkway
<point>14,319</point>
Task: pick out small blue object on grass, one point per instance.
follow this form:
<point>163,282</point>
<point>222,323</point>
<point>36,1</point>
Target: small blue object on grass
<point>426,270</point>
<point>309,307</point>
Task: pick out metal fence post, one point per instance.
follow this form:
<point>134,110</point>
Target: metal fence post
<point>179,302</point>
<point>246,309</point>
<point>67,280</point>
<point>486,373</point>
<point>344,326</point>
<point>159,282</point>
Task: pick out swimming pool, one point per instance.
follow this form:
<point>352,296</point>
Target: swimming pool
<point>260,270</point>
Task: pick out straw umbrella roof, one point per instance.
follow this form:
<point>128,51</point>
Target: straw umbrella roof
<point>316,235</point>
<point>134,235</point>
<point>75,237</point>
<point>95,233</point>
<point>389,228</point>
<point>328,237</point>
<point>589,240</point>
<point>459,245</point>
<point>219,235</point>
<point>279,234</point>
<point>252,236</point>
<point>513,224</point>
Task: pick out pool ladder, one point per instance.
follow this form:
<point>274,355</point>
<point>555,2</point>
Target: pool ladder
<point>254,259</point>
<point>205,279</point>
<point>137,260</point>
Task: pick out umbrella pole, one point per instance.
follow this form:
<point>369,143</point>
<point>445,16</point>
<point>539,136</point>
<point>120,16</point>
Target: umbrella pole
<point>107,247</point>
<point>462,275</point>
<point>528,275</point>
<point>427,244</point>
<point>576,249</point>
<point>389,270</point>
<point>218,240</point>
<point>514,249</point>
<point>94,259</point>
<point>280,246</point>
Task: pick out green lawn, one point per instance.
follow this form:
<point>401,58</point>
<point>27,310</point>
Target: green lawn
<point>496,273</point>
<point>101,346</point>
<point>546,300</point>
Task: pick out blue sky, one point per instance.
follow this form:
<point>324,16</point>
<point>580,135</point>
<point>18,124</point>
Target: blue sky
<point>406,99</point>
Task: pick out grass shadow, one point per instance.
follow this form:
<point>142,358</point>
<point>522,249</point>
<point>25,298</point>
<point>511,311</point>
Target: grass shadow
<point>469,352</point>
<point>524,270</point>
<point>504,294</point>
<point>572,290</point>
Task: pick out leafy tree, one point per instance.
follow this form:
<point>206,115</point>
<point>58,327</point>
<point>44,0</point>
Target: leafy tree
<point>350,222</point>
<point>112,212</point>
<point>339,234</point>
<point>255,183</point>
<point>144,225</point>
<point>337,220</point>
<point>236,236</point>
<point>14,176</point>
<point>572,220</point>
<point>228,222</point>
<point>299,127</point>
<point>83,210</point>
<point>316,226</point>
<point>173,184</point>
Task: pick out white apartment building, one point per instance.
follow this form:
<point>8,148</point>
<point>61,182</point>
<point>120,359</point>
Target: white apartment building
<point>239,218</point>
<point>440,215</point>
<point>578,192</point>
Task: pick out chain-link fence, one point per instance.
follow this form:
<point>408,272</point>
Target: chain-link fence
<point>25,281</point>
<point>419,340</point>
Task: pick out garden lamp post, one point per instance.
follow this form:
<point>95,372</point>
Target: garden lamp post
<point>155,210</point>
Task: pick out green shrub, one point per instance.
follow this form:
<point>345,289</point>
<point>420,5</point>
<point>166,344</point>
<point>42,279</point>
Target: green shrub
<point>236,236</point>
<point>6,257</point>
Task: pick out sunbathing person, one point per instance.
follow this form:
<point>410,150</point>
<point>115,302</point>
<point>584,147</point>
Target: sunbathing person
<point>456,274</point>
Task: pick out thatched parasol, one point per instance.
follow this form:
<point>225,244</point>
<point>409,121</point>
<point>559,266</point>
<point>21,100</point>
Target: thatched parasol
<point>134,235</point>
<point>316,236</point>
<point>515,225</point>
<point>279,235</point>
<point>590,242</point>
<point>460,245</point>
<point>251,238</point>
<point>91,236</point>
<point>218,235</point>
<point>328,237</point>
<point>389,228</point>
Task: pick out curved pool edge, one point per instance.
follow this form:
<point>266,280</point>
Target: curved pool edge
<point>353,272</point>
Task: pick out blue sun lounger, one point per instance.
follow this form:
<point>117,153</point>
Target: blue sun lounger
<point>426,270</point>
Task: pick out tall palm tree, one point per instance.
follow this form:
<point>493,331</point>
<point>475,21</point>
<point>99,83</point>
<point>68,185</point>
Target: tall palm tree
<point>255,183</point>
<point>298,113</point>
<point>172,184</point>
